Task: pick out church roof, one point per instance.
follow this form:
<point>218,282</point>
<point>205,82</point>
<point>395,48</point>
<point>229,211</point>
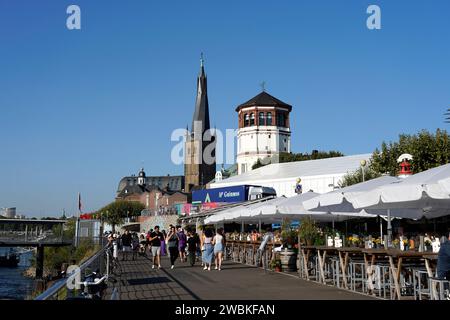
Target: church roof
<point>266,100</point>
<point>201,112</point>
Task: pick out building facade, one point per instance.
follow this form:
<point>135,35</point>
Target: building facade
<point>263,130</point>
<point>141,183</point>
<point>200,159</point>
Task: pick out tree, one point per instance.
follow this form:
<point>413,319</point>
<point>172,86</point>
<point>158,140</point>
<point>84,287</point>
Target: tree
<point>357,177</point>
<point>115,212</point>
<point>428,151</point>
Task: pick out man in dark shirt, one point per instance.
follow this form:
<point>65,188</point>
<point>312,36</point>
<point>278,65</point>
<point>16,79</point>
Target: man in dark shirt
<point>192,243</point>
<point>155,241</point>
<point>126,244</point>
<point>443,265</point>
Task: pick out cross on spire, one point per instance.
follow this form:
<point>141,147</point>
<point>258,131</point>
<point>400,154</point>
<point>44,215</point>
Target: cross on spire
<point>201,59</point>
<point>263,86</point>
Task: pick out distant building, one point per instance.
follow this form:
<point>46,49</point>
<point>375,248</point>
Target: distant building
<point>155,193</point>
<point>136,185</point>
<point>264,130</point>
<point>9,213</point>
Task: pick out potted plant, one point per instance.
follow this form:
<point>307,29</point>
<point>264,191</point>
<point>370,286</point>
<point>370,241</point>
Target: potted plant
<point>308,231</point>
<point>275,265</point>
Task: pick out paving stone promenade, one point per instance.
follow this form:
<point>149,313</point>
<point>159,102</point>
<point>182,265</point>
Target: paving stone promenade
<point>138,281</point>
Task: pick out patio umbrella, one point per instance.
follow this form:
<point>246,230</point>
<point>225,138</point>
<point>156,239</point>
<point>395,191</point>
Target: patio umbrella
<point>341,199</point>
<point>425,194</point>
<point>292,208</point>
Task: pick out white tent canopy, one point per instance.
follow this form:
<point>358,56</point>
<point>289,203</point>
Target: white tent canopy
<point>282,208</point>
<point>426,193</point>
<point>341,199</point>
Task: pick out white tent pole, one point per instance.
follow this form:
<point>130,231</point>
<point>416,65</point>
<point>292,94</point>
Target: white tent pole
<point>381,228</point>
<point>242,226</point>
<point>259,226</point>
<point>389,228</point>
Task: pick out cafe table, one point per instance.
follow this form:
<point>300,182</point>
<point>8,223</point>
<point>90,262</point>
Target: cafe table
<point>321,257</point>
<point>344,254</point>
<point>430,265</point>
<point>370,259</point>
<point>396,258</point>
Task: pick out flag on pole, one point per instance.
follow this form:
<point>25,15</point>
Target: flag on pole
<point>80,206</point>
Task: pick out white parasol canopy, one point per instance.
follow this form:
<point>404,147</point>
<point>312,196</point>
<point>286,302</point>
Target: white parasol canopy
<point>423,194</point>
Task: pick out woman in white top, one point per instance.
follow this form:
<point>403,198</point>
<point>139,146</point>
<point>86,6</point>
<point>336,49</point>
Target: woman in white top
<point>219,246</point>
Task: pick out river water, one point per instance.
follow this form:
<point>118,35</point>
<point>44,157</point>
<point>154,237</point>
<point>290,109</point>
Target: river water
<point>13,285</point>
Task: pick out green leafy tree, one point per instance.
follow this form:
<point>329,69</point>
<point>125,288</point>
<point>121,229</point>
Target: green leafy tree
<point>357,177</point>
<point>428,150</point>
<point>115,212</point>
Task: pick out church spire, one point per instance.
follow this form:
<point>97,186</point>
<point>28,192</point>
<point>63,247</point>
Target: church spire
<point>201,113</point>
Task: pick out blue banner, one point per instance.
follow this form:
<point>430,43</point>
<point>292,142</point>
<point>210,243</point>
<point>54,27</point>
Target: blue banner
<point>226,194</point>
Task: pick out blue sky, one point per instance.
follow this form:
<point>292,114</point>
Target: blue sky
<point>81,109</point>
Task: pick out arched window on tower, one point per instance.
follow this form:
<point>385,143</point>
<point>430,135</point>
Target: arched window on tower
<point>269,119</point>
<point>252,119</point>
<point>262,119</point>
<point>246,120</point>
<point>281,119</point>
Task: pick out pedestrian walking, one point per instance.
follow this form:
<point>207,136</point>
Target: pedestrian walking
<point>192,242</point>
<point>219,246</point>
<point>155,241</point>
<point>142,245</point>
<point>135,245</point>
<point>172,245</point>
<point>208,249</point>
<point>182,240</point>
<point>163,244</point>
<point>126,244</point>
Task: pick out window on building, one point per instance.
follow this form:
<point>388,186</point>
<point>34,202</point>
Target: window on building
<point>281,119</point>
<point>262,119</point>
<point>252,119</point>
<point>243,168</point>
<point>269,119</point>
<point>269,136</point>
<point>246,120</point>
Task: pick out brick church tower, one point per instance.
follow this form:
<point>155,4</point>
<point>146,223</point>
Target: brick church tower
<point>200,159</point>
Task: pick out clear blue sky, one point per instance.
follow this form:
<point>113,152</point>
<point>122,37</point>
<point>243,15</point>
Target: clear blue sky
<point>81,109</point>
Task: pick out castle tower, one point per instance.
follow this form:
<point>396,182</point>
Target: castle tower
<point>141,177</point>
<point>200,162</point>
<point>263,131</point>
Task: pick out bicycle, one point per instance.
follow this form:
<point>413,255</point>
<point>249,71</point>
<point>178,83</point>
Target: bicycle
<point>94,287</point>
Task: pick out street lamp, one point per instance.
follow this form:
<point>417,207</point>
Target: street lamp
<point>363,164</point>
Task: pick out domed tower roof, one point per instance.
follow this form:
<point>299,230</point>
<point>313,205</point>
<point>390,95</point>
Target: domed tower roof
<point>264,99</point>
<point>141,173</point>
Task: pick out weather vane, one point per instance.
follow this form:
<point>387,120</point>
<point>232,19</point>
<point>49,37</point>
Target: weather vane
<point>263,85</point>
<point>201,59</point>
